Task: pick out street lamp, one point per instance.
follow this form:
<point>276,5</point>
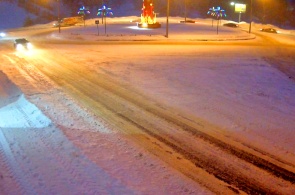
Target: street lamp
<point>233,4</point>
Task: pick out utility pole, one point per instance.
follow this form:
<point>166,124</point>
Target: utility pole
<point>263,16</point>
<point>102,4</point>
<point>105,22</point>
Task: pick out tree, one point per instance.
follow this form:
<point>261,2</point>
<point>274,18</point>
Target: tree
<point>28,22</point>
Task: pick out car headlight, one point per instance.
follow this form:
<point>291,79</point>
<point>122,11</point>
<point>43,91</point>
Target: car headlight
<point>29,46</point>
<point>19,47</point>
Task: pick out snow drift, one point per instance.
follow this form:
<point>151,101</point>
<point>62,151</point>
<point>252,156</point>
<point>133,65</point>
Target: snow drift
<point>15,110</point>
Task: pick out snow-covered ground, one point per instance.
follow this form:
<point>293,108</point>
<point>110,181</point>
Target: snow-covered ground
<point>234,88</point>
<point>241,93</point>
<point>77,154</point>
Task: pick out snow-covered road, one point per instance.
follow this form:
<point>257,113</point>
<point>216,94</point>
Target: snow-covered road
<point>148,119</point>
<point>73,152</point>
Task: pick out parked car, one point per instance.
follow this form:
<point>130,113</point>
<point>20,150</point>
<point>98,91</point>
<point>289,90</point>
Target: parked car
<point>70,21</point>
<point>22,44</point>
<point>188,21</point>
<point>269,30</point>
<point>231,24</point>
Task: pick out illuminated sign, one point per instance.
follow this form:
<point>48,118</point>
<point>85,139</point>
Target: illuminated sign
<point>240,8</point>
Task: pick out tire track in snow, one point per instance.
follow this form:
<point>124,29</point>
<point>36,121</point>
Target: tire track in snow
<point>77,174</point>
<point>86,179</point>
<point>199,159</point>
<point>14,168</point>
<point>114,98</point>
<point>43,161</point>
<point>119,97</point>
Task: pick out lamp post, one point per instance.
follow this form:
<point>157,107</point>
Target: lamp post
<point>263,8</point>
<point>250,26</point>
<point>185,10</point>
<point>167,21</point>
<point>102,5</point>
<point>233,4</point>
<point>58,17</point>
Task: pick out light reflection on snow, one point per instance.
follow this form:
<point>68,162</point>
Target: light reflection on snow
<point>137,28</point>
<point>27,53</point>
<point>22,114</point>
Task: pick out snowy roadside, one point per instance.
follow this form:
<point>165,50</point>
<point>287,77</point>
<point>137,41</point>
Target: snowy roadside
<point>81,152</point>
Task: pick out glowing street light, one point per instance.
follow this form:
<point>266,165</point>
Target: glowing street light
<point>233,4</point>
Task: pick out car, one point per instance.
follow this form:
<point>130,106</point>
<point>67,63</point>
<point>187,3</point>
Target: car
<point>22,44</point>
<point>231,24</point>
<point>269,30</point>
<point>188,21</point>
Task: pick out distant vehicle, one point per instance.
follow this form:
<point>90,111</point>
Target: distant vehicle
<point>188,21</point>
<point>70,21</point>
<point>269,30</point>
<point>231,24</point>
<point>22,44</point>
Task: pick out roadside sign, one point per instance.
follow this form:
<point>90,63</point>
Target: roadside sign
<point>240,8</point>
<point>97,23</point>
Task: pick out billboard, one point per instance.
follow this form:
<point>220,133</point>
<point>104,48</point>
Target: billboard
<point>240,8</point>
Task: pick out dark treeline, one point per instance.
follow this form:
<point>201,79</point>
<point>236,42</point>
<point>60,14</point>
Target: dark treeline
<point>264,11</point>
<point>276,12</point>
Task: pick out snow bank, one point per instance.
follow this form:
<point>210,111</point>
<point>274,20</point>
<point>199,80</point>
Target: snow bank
<point>15,110</point>
<point>22,114</point>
